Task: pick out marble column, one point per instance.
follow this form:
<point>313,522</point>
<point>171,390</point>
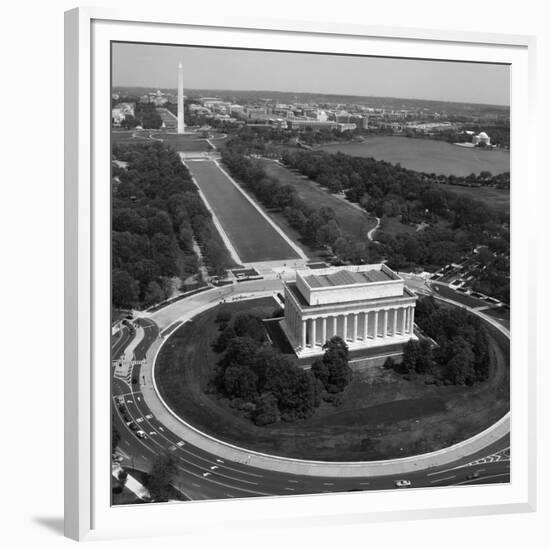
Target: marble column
<point>324,339</point>
<point>334,326</point>
<point>355,322</point>
<point>375,334</point>
<point>366,327</point>
<point>345,335</point>
<point>385,332</point>
<point>394,332</point>
<point>304,328</point>
<point>313,332</point>
<point>412,320</point>
<point>403,319</point>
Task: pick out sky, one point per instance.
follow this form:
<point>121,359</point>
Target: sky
<point>155,66</point>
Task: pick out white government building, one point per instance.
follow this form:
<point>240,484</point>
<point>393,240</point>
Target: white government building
<point>366,305</point>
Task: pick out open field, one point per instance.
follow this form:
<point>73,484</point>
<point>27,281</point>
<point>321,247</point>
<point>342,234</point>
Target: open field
<point>495,198</point>
<point>427,155</point>
<point>393,226</point>
<point>351,219</point>
<point>251,235</point>
<point>180,143</point>
<point>183,143</point>
<point>382,414</point>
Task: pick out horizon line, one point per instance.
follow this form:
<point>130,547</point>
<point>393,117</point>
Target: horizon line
<point>502,105</point>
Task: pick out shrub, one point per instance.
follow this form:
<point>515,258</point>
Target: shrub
<point>223,316</point>
<point>266,411</point>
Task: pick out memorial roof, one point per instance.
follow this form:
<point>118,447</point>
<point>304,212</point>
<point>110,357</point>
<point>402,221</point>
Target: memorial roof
<point>348,277</point>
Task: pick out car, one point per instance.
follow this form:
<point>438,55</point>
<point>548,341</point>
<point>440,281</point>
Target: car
<point>403,483</point>
<point>206,474</point>
<point>140,434</point>
<point>133,426</point>
<point>473,475</point>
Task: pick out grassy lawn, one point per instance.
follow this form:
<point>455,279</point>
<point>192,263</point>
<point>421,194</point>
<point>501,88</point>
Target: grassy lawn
<point>352,220</point>
<point>382,415</point>
<point>252,236</point>
<point>495,198</point>
<point>183,143</point>
<point>393,226</point>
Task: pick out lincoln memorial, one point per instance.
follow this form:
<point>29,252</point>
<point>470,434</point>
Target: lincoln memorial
<point>366,305</point>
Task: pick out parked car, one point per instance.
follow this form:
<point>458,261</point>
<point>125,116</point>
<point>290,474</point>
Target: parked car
<point>140,434</point>
<point>403,483</point>
<point>473,475</point>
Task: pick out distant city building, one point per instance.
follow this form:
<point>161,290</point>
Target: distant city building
<point>367,306</point>
<point>180,116</point>
<point>481,138</point>
<point>304,123</point>
<point>255,112</point>
<point>121,112</point>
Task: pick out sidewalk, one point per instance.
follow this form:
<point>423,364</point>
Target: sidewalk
<point>223,450</point>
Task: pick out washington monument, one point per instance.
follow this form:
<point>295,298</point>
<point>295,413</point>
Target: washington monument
<point>181,125</point>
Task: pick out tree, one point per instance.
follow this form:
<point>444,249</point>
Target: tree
<point>321,371</point>
<point>115,438</point>
<point>240,351</point>
<point>223,316</point>
<point>240,382</point>
<point>223,340</point>
<point>124,289</point>
<point>122,477</point>
<point>266,411</point>
<point>293,388</point>
<point>410,357</point>
<point>154,294</point>
<point>158,481</point>
<point>333,370</point>
<point>248,325</point>
<point>460,367</point>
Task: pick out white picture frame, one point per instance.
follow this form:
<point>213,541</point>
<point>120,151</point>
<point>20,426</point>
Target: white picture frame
<point>88,514</point>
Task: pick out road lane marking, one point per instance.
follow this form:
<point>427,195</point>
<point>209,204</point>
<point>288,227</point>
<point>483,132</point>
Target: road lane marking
<point>210,479</point>
<point>443,479</point>
<point>483,478</point>
<point>289,489</point>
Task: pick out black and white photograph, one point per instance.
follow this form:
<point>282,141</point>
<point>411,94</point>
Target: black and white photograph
<point>310,273</point>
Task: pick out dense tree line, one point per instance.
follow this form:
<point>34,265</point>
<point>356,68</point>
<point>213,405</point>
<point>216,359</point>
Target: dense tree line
<point>318,227</point>
<point>264,140</point>
<point>269,386</point>
<point>453,224</point>
<point>145,116</point>
<point>461,355</point>
<point>157,214</point>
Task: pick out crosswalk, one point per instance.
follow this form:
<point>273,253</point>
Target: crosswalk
<point>124,369</point>
<point>501,456</point>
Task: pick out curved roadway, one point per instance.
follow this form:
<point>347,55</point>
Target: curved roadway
<point>203,474</point>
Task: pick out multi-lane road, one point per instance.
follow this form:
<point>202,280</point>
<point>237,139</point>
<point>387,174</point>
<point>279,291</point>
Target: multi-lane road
<point>203,475</point>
